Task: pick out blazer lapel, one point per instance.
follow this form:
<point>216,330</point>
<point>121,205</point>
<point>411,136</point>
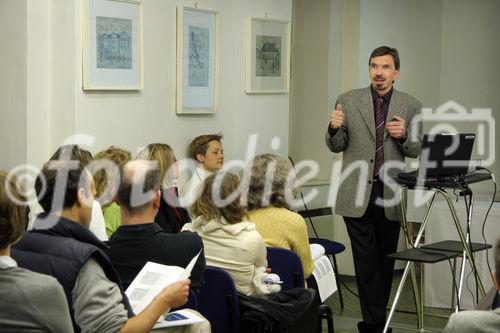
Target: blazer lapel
<point>366,109</point>
<point>395,107</point>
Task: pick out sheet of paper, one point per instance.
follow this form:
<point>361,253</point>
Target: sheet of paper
<point>178,318</point>
<point>325,277</point>
<point>189,268</point>
<point>317,251</point>
<point>149,282</point>
<point>152,279</point>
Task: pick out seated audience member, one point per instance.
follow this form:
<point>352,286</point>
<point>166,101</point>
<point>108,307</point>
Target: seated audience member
<point>76,153</point>
<point>230,240</point>
<point>107,181</point>
<point>269,210</point>
<point>207,151</point>
<point>480,321</point>
<point>62,246</point>
<point>140,240</point>
<point>24,294</point>
<point>171,216</point>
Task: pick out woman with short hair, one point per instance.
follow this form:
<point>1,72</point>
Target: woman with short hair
<point>206,150</point>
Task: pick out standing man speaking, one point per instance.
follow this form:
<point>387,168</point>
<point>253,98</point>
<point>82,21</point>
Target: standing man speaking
<point>375,128</point>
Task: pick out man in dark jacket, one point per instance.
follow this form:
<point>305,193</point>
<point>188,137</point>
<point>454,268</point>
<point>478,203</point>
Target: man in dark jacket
<point>139,240</point>
<point>62,246</point>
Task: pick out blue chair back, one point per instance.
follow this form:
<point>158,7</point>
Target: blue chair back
<point>331,247</point>
<point>287,265</point>
<point>218,301</point>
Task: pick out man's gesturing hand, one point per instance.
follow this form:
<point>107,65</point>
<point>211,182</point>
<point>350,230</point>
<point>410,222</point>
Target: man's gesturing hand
<point>337,117</point>
<point>396,128</point>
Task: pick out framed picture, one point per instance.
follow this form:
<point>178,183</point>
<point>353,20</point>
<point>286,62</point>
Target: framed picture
<point>268,56</point>
<point>112,45</point>
<point>197,61</point>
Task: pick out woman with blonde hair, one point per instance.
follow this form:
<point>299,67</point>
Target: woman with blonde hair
<point>107,181</point>
<point>230,240</point>
<point>271,177</point>
<point>171,215</point>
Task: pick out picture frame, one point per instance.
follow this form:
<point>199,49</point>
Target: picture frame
<point>267,61</point>
<point>197,61</point>
<point>113,45</point>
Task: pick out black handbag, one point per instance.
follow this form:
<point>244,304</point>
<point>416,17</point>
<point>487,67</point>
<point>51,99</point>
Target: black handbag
<point>289,311</point>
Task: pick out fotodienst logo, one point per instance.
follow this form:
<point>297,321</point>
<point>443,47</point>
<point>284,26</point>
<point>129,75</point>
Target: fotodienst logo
<point>448,118</point>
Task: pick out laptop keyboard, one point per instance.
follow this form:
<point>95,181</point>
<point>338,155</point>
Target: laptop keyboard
<point>413,176</point>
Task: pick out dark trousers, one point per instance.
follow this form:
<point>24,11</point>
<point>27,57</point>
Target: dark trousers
<point>373,236</point>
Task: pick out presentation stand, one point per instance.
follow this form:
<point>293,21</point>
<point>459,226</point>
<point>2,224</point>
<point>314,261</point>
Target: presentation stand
<point>445,250</point>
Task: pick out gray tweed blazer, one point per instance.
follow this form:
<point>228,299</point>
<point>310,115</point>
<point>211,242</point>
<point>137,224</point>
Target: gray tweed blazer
<point>356,139</point>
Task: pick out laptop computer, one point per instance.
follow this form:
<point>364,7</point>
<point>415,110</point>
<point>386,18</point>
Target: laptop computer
<point>443,156</point>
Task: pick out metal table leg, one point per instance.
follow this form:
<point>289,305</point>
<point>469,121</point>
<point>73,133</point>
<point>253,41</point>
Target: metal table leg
<point>467,252</point>
<point>467,255</point>
<point>409,264</point>
<point>453,287</point>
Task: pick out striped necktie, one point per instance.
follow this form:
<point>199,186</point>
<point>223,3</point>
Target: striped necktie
<point>379,137</point>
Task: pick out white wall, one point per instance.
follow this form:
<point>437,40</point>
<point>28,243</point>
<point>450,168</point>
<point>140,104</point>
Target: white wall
<point>470,70</point>
<point>38,99</point>
<point>42,102</point>
<point>310,79</point>
<point>134,119</point>
<point>13,88</point>
<point>448,50</point>
<point>414,28</point>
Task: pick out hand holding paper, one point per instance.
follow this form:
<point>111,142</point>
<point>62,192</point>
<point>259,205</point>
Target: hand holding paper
<point>176,294</point>
<point>152,280</point>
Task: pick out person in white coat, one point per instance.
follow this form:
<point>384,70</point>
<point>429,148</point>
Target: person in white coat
<point>230,241</point>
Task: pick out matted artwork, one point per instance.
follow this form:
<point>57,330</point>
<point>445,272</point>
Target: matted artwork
<point>197,65</point>
<point>112,45</point>
<point>267,56</point>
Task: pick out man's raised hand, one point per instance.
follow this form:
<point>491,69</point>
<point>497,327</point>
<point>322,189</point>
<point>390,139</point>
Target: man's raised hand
<point>337,117</point>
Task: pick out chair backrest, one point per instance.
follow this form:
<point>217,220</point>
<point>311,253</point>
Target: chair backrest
<point>287,265</point>
<point>218,301</point>
<point>331,247</point>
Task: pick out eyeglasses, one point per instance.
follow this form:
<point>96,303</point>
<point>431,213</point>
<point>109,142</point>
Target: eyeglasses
<point>383,68</point>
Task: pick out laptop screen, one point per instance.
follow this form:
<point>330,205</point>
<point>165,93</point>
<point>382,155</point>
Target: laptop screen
<point>445,154</point>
